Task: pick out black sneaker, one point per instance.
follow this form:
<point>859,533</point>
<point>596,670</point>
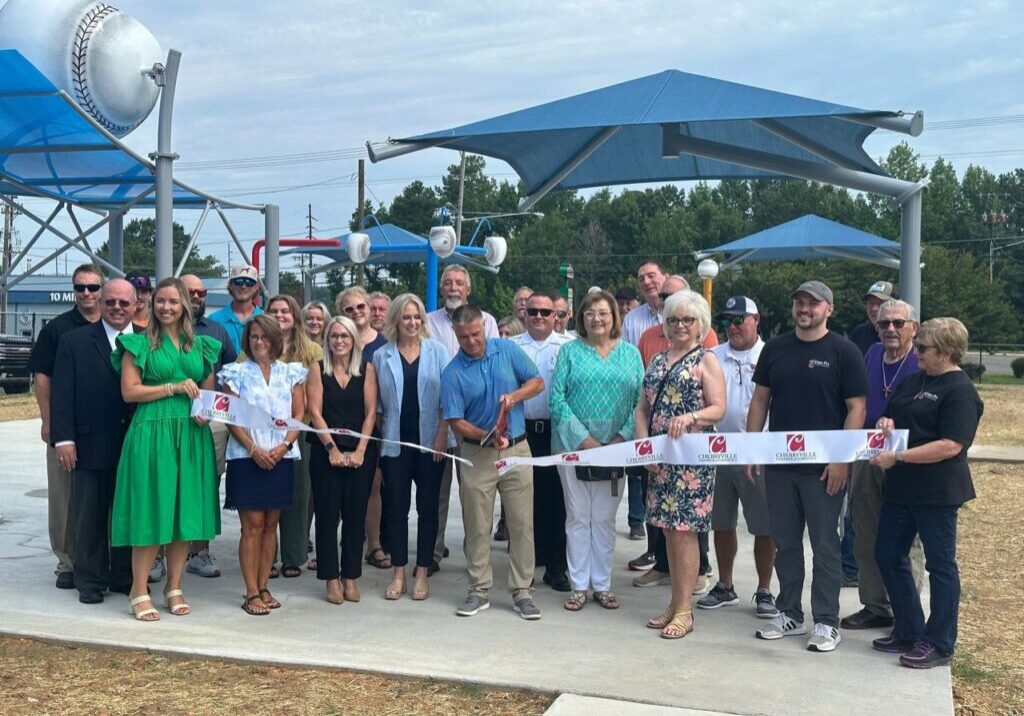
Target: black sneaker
<point>637,532</point>
<point>924,656</point>
<point>719,596</point>
<point>642,563</point>
<point>501,533</point>
<point>765,602</point>
<point>891,645</point>
<point>865,619</point>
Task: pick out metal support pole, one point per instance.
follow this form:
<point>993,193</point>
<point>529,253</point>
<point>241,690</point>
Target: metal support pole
<point>360,271</point>
<point>164,160</point>
<point>462,193</point>
<point>115,239</point>
<point>431,266</point>
<point>910,250</point>
<point>272,233</point>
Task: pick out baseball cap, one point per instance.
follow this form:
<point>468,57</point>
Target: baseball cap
<point>816,289</point>
<point>739,306</point>
<point>881,290</point>
<point>625,293</point>
<point>139,280</point>
<point>244,272</point>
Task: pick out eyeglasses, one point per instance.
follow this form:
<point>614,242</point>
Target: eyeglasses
<point>562,314</point>
<point>921,347</point>
<point>680,320</point>
<point>243,282</point>
<point>731,320</point>
<point>539,312</point>
<point>897,324</point>
<point>90,287</point>
<point>197,292</point>
<point>259,338</point>
<point>116,303</point>
<point>339,337</point>
<point>597,315</point>
<point>349,310</point>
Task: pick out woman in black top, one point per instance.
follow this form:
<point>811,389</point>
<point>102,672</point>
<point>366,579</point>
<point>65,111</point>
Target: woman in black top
<point>341,468</point>
<point>924,488</point>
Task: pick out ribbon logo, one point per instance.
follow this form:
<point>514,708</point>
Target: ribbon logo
<point>644,448</point>
<point>280,423</point>
<point>222,403</point>
<point>717,443</point>
<point>876,440</point>
<point>571,457</point>
<point>795,442</point>
<point>500,465</point>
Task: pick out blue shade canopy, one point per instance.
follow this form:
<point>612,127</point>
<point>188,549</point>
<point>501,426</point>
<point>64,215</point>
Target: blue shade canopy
<point>809,237</point>
<point>49,147</point>
<point>627,121</point>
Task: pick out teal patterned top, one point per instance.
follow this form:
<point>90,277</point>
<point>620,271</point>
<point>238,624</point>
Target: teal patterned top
<point>594,396</point>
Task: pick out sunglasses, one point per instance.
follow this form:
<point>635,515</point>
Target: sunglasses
<point>90,287</point>
<point>677,320</point>
<point>349,310</point>
<point>731,320</point>
<point>116,303</point>
<point>244,282</point>
<point>197,292</point>
<point>897,324</point>
<point>921,347</point>
<point>539,312</point>
<point>561,314</point>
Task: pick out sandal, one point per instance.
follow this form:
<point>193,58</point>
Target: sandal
<point>351,590</point>
<point>391,594</point>
<point>608,600</point>
<point>338,596</point>
<point>252,609</point>
<point>274,573</point>
<point>662,620</point>
<point>677,624</point>
<point>575,601</point>
<point>145,615</point>
<point>290,571</point>
<point>181,608</point>
<point>380,562</point>
<point>311,565</point>
<point>420,588</point>
<point>268,599</point>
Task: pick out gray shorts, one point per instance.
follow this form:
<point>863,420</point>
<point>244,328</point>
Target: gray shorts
<point>731,488</point>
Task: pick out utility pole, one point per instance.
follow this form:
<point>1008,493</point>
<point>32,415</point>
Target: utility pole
<point>8,231</point>
<point>360,276</point>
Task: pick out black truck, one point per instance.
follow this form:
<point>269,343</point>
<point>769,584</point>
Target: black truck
<point>15,352</point>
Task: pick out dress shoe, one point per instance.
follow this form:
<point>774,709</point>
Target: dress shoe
<point>558,582</point>
<point>66,580</point>
<point>501,533</point>
<point>90,596</point>
<point>433,568</point>
<point>120,588</point>
<point>866,620</point>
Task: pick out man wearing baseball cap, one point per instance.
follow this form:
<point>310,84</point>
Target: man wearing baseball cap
<point>243,285</point>
<point>808,379</point>
<point>143,296</point>
<point>865,335</point>
<point>627,298</point>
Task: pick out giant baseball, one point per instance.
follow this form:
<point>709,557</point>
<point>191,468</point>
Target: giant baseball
<point>92,51</point>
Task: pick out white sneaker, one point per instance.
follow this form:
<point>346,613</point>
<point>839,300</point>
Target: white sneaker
<point>702,585</point>
<point>824,638</point>
<point>158,570</point>
<point>202,563</point>
<point>779,627</point>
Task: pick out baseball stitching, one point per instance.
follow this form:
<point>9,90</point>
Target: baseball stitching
<point>92,19</point>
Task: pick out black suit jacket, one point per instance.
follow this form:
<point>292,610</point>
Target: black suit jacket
<point>85,398</point>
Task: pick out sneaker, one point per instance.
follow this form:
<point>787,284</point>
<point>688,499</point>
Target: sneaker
<point>202,563</point>
<point>891,645</point>
<point>866,619</point>
<point>824,638</point>
<point>766,608</point>
<point>780,626</point>
<point>719,596</point>
<point>158,571</point>
<point>653,578</point>
<point>702,585</point>
<point>474,604</point>
<point>924,656</point>
<point>637,532</point>
<point>641,563</point>
<point>527,609</point>
<point>501,533</point>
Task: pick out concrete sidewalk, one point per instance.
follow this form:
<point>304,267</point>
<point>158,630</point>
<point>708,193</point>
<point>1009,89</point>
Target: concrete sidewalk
<point>720,667</point>
<point>995,453</point>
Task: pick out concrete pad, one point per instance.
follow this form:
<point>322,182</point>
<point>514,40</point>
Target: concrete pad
<point>571,705</point>
<point>996,453</point>
<point>610,654</point>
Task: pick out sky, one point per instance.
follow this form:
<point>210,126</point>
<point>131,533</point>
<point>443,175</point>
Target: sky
<point>265,79</point>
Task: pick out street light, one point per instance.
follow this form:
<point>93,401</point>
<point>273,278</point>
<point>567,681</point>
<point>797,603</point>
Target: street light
<point>707,270</point>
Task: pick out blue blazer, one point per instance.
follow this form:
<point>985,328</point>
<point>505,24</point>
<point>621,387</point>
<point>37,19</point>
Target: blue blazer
<point>387,361</point>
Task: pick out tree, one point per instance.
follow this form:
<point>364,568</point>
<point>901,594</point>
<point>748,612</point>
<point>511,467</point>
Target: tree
<point>140,250</point>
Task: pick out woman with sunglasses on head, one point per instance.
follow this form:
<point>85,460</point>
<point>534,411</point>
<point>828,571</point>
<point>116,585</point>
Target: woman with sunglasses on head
<point>166,490</point>
<point>296,520</point>
<point>925,486</point>
<point>261,463</point>
<point>354,303</point>
<point>683,392</point>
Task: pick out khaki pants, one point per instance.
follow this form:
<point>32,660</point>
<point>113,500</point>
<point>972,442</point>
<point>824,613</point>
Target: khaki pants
<point>59,518</point>
<point>868,483</point>
<point>220,444</point>
<point>477,490</point>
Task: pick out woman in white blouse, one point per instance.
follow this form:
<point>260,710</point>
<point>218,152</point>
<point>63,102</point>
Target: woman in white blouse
<point>260,467</point>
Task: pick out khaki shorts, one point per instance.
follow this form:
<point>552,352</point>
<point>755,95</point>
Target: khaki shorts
<point>732,488</point>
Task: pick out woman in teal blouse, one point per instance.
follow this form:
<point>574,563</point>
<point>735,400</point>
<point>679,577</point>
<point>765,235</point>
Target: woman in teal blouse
<point>593,397</point>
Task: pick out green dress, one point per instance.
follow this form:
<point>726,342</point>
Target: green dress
<point>167,487</point>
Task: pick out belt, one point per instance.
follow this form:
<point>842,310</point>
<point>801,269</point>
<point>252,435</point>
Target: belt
<point>511,442</point>
<point>538,426</point>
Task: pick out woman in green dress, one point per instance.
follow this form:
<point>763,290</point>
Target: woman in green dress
<point>166,490</point>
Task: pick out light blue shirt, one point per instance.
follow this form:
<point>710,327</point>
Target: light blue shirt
<point>387,362</point>
<point>227,318</point>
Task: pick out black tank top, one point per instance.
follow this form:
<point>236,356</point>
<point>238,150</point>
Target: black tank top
<point>344,407</point>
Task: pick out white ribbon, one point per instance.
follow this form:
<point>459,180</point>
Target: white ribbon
<point>230,409</point>
<point>783,448</point>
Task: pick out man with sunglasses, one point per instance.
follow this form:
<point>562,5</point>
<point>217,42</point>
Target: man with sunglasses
<point>89,422</point>
<point>887,363</point>
<point>87,280</point>
<point>541,344</point>
<point>243,285</point>
<point>563,316</point>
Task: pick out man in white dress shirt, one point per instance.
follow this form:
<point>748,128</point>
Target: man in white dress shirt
<point>650,275</point>
<point>541,343</point>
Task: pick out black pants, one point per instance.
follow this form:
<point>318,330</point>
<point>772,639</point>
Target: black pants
<point>339,493</point>
<point>411,466</point>
<point>97,565</point>
<point>661,552</point>
<point>548,503</point>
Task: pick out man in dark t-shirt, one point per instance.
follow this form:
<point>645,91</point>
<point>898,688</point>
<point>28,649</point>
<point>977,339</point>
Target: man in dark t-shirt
<point>810,379</point>
<point>865,335</point>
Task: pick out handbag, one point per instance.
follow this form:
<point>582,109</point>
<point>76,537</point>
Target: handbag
<point>594,473</point>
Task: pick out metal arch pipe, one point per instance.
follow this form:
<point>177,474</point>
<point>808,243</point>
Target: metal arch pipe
<point>31,242</point>
<point>581,156</point>
<point>796,139</point>
<point>192,239</point>
<point>115,239</point>
<point>913,125</point>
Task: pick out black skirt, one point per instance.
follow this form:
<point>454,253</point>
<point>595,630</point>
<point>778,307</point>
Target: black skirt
<point>250,487</point>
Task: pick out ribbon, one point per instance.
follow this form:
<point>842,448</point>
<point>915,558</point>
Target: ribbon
<point>230,409</point>
<point>781,448</point>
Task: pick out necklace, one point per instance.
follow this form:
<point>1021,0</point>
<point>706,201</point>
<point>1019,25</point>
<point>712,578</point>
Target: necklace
<point>888,384</point>
<point>925,382</point>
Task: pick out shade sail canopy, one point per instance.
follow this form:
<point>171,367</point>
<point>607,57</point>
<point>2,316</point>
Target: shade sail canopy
<point>809,237</point>
<point>50,147</point>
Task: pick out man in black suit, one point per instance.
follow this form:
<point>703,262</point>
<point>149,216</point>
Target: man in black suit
<point>88,421</point>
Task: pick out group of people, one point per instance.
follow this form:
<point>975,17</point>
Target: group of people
<point>115,399</point>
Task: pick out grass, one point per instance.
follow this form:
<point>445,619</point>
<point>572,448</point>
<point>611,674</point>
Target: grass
<point>998,379</point>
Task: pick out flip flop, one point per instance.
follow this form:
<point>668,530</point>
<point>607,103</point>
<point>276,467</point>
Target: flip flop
<point>248,608</point>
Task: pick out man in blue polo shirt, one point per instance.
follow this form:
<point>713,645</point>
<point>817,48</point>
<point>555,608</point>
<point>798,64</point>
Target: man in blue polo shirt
<point>484,376</point>
<point>243,285</point>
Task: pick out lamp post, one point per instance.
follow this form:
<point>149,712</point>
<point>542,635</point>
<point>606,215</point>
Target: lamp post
<point>707,270</point>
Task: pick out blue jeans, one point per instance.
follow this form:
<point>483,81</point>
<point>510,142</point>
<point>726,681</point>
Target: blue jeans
<point>897,526</point>
<point>635,499</point>
<point>850,569</point>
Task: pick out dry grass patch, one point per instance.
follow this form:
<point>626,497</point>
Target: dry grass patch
<point>1003,421</point>
<point>18,407</point>
<point>40,678</point>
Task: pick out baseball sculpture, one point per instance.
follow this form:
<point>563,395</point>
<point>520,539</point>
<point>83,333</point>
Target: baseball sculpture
<point>92,51</point>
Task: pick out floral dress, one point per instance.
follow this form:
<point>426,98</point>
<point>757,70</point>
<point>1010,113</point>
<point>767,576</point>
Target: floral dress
<point>679,497</point>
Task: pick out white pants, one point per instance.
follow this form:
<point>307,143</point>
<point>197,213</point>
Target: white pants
<point>590,511</point>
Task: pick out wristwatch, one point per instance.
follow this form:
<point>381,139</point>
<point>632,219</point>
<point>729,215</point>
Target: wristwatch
<point>290,445</point>
<point>899,455</point>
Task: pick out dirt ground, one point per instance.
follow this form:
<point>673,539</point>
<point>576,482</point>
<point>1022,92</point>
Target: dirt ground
<point>18,407</point>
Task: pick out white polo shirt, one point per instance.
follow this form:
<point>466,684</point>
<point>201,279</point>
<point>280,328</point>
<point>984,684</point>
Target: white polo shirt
<point>738,367</point>
<point>544,354</point>
<point>439,323</point>
<point>639,320</point>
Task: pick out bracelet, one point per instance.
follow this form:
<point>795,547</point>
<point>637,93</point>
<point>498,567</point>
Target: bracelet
<point>167,389</point>
<point>330,446</point>
<point>693,415</point>
<point>252,449</point>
